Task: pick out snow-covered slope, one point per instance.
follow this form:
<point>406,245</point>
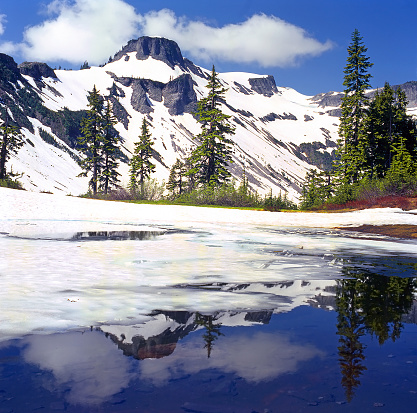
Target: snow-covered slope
<point>276,127</point>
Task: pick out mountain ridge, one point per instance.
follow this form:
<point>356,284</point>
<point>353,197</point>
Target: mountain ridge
<point>280,133</point>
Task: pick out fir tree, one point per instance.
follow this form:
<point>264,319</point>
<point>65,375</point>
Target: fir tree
<point>351,130</point>
<point>91,141</point>
<point>109,176</point>
<point>140,165</point>
<point>177,181</point>
<point>211,157</point>
<point>387,123</point>
<point>10,142</point>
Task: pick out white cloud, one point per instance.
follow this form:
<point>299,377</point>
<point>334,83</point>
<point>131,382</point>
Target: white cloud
<point>81,30</point>
<point>266,40</point>
<point>2,23</point>
<point>88,376</point>
<point>92,30</point>
<point>255,357</point>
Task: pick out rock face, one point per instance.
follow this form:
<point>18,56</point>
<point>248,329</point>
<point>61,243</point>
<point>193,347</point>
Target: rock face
<point>178,94</point>
<point>9,72</point>
<point>36,70</point>
<point>158,48</point>
<point>264,85</point>
<point>328,99</point>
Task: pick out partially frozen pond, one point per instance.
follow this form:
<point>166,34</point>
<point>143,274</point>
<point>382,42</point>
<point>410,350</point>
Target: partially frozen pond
<point>134,312</point>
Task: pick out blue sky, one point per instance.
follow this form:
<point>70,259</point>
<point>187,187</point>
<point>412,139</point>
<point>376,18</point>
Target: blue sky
<point>301,42</point>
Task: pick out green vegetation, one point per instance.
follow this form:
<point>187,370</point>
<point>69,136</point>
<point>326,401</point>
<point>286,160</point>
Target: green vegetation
<point>99,142</point>
<point>377,151</point>
<point>11,141</point>
<point>209,160</point>
<point>140,165</point>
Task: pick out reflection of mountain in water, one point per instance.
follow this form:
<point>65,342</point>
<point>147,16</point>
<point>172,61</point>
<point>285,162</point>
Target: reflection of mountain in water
<point>140,341</point>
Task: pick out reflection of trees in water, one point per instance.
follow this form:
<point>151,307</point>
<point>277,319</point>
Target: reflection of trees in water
<point>115,235</point>
<point>212,330</point>
<point>373,304</point>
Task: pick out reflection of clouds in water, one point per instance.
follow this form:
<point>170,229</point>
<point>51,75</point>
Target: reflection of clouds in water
<point>89,365</point>
<point>258,357</point>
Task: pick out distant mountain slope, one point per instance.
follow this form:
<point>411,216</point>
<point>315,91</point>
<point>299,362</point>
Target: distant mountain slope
<point>280,133</point>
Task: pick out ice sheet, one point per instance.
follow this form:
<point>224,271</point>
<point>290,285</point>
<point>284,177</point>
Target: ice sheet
<point>132,259</point>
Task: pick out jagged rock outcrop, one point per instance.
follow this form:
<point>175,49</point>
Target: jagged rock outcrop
<point>9,71</point>
<point>327,99</point>
<point>158,48</point>
<point>264,85</point>
<point>179,95</point>
<point>36,70</point>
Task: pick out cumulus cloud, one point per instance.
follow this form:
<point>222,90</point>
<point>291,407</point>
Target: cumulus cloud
<point>79,30</point>
<point>266,40</point>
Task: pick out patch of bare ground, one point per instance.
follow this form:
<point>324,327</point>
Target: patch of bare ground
<point>397,231</point>
<point>390,201</point>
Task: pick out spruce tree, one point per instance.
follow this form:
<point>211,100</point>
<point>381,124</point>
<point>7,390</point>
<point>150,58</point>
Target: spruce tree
<point>387,123</point>
<point>176,181</point>
<point>10,142</point>
<point>140,165</point>
<point>212,155</point>
<point>91,141</point>
<point>109,176</point>
<point>352,145</point>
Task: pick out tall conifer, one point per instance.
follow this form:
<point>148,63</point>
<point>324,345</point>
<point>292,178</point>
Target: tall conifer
<point>140,165</point>
<point>211,157</point>
<point>354,103</point>
<point>91,141</point>
<point>109,176</point>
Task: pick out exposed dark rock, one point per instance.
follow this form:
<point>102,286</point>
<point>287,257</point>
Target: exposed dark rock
<point>120,112</point>
<point>191,67</point>
<point>273,116</point>
<point>36,70</point>
<point>158,48</point>
<point>179,95</point>
<point>9,71</point>
<point>335,112</point>
<point>328,99</point>
<point>243,89</point>
<point>264,85</point>
<point>307,118</point>
<point>242,112</point>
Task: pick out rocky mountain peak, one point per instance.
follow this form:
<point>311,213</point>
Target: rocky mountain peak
<point>36,70</point>
<point>158,48</point>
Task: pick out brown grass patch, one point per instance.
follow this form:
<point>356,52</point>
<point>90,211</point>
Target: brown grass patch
<point>389,201</point>
<point>398,231</point>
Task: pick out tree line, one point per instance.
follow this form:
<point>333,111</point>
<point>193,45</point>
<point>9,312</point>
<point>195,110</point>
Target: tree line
<point>377,145</point>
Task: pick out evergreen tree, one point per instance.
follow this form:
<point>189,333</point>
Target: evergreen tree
<point>109,176</point>
<point>211,157</point>
<point>10,142</point>
<point>91,141</point>
<point>140,165</point>
<point>387,123</point>
<point>352,145</point>
<point>176,181</point>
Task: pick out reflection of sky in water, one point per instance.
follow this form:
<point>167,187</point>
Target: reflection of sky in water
<point>291,363</point>
<point>253,357</point>
<point>85,364</point>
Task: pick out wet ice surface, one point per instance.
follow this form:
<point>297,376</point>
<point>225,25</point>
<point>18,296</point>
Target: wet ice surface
<point>54,280</point>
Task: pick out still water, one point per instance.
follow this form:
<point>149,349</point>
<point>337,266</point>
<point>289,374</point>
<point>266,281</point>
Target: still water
<point>220,320</point>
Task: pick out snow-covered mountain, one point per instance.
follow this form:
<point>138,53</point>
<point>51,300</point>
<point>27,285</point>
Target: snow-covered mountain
<point>280,133</point>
